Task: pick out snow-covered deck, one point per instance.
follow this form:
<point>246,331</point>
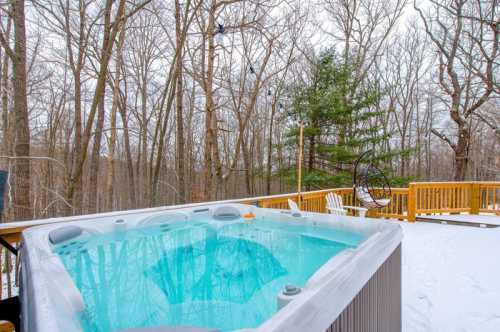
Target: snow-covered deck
<point>451,278</point>
<point>475,219</point>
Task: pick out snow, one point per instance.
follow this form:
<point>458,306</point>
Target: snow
<point>470,218</point>
<point>451,278</point>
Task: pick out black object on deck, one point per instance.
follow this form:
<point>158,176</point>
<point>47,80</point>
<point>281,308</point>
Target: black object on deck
<point>10,310</point>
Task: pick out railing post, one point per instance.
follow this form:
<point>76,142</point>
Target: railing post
<point>412,202</point>
<point>475,198</point>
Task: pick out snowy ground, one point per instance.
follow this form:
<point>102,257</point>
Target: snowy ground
<point>451,278</point>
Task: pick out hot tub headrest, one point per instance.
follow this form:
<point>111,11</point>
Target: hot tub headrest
<point>226,212</point>
<point>170,329</point>
<point>64,233</point>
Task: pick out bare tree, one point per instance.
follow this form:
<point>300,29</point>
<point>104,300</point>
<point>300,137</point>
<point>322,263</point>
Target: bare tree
<point>108,44</point>
<point>362,28</point>
<point>17,55</point>
<point>139,103</point>
<point>465,35</point>
<point>73,23</point>
<point>403,71</point>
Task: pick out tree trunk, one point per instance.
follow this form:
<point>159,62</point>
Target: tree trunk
<point>209,107</point>
<point>143,165</point>
<point>78,196</point>
<point>110,175</point>
<point>6,114</point>
<point>178,103</point>
<point>403,157</point>
<point>128,154</point>
<point>170,92</point>
<point>77,72</point>
<point>312,155</point>
<point>112,139</point>
<point>462,154</point>
<point>94,161</point>
<point>246,163</point>
<point>22,201</point>
<point>96,148</point>
<point>270,151</point>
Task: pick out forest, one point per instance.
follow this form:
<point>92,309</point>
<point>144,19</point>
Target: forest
<point>122,104</point>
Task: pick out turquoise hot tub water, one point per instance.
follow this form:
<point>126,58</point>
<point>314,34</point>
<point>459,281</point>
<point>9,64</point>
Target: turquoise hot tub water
<point>197,273</point>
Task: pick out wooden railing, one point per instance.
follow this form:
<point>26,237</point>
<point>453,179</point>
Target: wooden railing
<point>315,201</point>
<point>453,197</point>
<point>406,203</point>
<point>398,208</point>
<point>489,197</point>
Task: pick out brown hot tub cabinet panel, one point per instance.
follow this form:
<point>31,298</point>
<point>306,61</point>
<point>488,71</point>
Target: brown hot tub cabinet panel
<point>377,307</point>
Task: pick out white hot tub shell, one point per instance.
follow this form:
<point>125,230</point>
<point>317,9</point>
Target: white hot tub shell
<point>357,290</point>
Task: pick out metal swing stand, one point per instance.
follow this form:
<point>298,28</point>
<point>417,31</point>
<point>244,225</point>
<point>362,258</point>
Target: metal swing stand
<point>10,308</point>
<point>364,189</point>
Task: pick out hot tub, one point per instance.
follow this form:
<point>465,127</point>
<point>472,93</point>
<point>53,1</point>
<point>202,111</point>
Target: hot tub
<point>212,268</point>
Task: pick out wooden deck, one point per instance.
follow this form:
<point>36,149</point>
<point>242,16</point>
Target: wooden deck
<point>6,327</point>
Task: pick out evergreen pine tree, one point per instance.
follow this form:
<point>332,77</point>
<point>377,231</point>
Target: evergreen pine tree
<point>338,115</point>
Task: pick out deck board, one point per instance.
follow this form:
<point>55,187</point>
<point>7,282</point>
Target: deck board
<point>463,219</point>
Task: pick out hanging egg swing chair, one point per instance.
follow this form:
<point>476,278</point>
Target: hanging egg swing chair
<point>371,186</point>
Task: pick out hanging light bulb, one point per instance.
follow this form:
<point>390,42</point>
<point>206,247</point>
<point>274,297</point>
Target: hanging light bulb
<point>219,33</point>
<point>220,28</point>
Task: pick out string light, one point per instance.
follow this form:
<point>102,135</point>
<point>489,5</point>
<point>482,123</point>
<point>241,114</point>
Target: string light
<point>219,33</point>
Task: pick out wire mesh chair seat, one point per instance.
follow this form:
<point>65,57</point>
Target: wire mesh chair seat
<point>371,186</point>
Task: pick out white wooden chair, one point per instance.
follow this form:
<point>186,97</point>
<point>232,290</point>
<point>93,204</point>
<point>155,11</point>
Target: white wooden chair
<point>335,206</point>
<point>293,206</point>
